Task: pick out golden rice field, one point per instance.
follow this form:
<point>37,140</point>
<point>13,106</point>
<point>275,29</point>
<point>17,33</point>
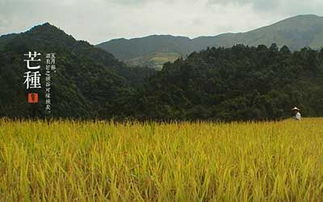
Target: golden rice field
<point>203,161</point>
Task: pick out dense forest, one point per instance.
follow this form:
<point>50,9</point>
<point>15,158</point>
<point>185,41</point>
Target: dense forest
<point>237,83</point>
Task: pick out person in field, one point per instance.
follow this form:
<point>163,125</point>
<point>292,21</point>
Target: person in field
<point>297,113</point>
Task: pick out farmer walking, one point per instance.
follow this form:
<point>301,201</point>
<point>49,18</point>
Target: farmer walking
<point>297,113</point>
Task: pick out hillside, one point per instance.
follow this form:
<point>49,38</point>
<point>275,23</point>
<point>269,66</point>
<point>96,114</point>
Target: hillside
<point>296,32</point>
<point>222,84</point>
<point>88,81</point>
<point>150,51</point>
<point>238,83</point>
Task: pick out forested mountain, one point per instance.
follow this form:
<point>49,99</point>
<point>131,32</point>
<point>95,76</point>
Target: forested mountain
<point>296,32</point>
<point>89,82</point>
<point>238,83</point>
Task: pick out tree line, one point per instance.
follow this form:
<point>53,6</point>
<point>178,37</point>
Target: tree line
<point>221,84</point>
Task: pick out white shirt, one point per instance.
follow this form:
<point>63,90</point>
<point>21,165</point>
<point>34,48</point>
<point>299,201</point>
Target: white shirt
<point>298,116</point>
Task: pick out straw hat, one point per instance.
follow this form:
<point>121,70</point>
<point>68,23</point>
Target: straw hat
<point>295,109</point>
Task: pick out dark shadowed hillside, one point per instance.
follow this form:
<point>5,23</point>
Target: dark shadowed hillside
<point>89,82</point>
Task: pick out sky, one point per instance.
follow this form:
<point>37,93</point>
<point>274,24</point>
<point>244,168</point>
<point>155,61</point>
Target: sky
<point>102,20</point>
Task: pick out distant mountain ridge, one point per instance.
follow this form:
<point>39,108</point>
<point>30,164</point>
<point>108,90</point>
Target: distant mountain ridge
<point>295,32</point>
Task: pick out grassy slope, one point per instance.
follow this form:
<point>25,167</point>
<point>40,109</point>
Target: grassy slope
<point>155,60</point>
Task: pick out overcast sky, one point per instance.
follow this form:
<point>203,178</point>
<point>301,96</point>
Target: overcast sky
<point>101,20</point>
